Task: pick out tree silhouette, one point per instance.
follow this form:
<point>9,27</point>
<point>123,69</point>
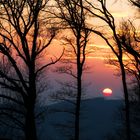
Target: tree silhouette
<point>135,3</point>
<point>73,18</point>
<point>22,53</point>
<point>99,10</point>
<point>130,43</point>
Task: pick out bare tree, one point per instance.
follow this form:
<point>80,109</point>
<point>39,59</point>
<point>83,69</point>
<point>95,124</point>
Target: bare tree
<point>130,43</point>
<point>23,51</point>
<point>73,18</point>
<point>99,10</point>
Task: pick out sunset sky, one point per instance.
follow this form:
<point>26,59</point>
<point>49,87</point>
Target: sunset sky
<point>58,77</point>
<point>101,75</point>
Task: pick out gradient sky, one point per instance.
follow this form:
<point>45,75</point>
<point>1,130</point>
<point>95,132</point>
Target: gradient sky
<point>101,75</point>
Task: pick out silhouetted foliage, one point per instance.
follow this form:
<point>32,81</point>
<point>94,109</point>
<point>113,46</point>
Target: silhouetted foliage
<point>130,43</point>
<point>22,53</point>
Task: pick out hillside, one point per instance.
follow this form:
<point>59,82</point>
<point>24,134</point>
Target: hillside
<point>98,119</point>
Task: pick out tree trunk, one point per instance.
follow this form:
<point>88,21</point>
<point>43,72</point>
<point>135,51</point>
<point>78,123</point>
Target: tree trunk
<point>79,91</point>
<point>30,126</point>
<point>30,123</point>
<point>77,113</point>
<point>127,106</point>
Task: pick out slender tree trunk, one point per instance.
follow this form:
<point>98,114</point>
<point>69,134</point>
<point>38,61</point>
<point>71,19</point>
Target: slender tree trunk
<point>79,91</point>
<point>127,106</point>
<point>78,104</point>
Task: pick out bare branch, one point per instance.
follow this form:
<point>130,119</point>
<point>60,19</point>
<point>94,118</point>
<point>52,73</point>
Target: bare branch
<point>51,63</point>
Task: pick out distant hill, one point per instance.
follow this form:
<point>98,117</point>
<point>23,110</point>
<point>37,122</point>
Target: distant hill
<point>98,118</point>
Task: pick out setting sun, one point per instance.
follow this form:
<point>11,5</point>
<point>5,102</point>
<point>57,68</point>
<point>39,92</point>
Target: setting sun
<point>107,92</point>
